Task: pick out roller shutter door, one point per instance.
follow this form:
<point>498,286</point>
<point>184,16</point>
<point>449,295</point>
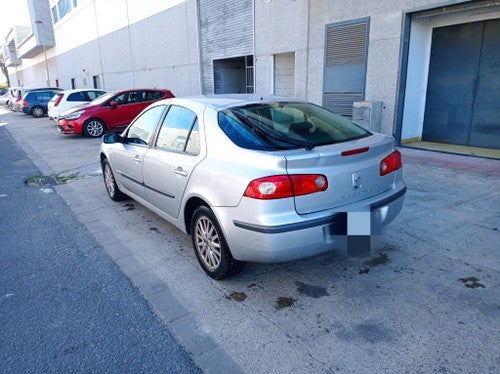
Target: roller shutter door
<point>346,46</point>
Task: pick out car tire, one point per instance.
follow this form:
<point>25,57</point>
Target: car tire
<point>210,246</point>
<point>37,111</point>
<point>94,128</point>
<point>110,183</point>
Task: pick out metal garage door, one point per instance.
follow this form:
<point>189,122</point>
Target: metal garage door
<point>463,92</point>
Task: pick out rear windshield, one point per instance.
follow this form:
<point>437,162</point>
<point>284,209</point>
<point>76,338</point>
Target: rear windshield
<point>286,125</point>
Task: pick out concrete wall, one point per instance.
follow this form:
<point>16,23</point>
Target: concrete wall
<point>130,43</point>
<point>281,27</point>
<point>150,45</point>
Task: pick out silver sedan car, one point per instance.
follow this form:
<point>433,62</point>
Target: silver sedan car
<point>256,179</point>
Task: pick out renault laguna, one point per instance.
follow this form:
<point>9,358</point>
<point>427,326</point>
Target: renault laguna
<point>256,179</point>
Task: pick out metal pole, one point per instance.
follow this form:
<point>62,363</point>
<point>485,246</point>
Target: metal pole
<point>46,66</point>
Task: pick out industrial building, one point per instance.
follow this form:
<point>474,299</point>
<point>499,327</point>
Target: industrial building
<point>422,70</point>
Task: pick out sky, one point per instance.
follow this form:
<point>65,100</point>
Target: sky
<point>12,12</point>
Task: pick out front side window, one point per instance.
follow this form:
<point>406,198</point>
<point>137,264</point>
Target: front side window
<point>179,131</point>
<point>130,97</point>
<point>286,125</point>
<point>142,129</point>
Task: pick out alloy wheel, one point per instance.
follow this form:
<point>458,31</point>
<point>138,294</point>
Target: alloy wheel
<point>207,242</point>
<point>37,112</point>
<point>94,128</point>
<point>109,180</point>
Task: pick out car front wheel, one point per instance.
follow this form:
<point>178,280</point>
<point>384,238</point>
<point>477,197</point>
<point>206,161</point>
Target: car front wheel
<point>93,128</point>
<point>37,112</point>
<point>210,246</point>
<point>110,183</point>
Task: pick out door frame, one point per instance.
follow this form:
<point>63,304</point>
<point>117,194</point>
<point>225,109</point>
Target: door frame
<point>416,37</point>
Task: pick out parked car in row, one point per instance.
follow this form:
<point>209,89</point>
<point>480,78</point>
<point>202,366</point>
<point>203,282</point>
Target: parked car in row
<point>256,180</point>
<point>4,99</point>
<point>68,99</point>
<point>35,102</point>
<point>17,93</point>
<point>110,112</point>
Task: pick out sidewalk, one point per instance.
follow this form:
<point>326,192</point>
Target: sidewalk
<point>427,301</point>
<point>451,161</point>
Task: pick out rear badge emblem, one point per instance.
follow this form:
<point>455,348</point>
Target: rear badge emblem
<point>356,181</point>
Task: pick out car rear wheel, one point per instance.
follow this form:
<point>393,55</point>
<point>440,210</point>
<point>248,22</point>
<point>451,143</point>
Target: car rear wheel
<point>37,112</point>
<point>93,128</point>
<point>109,182</point>
<point>210,246</point>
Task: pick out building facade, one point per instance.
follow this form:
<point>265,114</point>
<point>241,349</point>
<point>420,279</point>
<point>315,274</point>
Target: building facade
<point>424,69</point>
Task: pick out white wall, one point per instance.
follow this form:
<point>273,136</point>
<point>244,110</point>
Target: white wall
<point>127,43</point>
<point>280,27</point>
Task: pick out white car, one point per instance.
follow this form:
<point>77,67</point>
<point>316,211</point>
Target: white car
<point>65,100</point>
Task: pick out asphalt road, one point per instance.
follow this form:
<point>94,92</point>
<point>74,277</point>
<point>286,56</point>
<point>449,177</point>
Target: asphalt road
<point>65,307</point>
<point>426,301</point>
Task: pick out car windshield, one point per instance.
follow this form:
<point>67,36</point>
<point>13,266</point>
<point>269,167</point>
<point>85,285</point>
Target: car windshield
<point>286,125</point>
<point>102,99</point>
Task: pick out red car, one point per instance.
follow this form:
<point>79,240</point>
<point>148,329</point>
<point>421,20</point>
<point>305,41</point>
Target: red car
<point>110,112</point>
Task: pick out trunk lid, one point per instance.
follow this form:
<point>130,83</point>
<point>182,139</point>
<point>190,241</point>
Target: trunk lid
<point>351,177</point>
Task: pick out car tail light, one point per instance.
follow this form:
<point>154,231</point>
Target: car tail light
<point>58,100</point>
<point>280,186</point>
<point>24,103</point>
<point>391,163</point>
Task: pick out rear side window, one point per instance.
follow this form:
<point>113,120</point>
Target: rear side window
<point>286,125</point>
<point>43,95</point>
<point>153,95</point>
<point>77,96</point>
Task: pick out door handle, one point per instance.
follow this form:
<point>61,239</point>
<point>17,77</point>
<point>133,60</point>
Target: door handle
<point>180,171</point>
<point>137,159</point>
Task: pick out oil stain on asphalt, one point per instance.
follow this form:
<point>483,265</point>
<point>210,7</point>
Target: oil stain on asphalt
<point>471,282</point>
<point>284,302</point>
<point>129,206</point>
<point>237,296</point>
<point>311,291</point>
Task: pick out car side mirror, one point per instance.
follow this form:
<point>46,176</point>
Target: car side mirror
<point>113,104</point>
<point>112,138</point>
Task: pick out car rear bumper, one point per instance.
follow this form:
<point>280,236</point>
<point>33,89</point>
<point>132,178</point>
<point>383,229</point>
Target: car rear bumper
<point>337,229</point>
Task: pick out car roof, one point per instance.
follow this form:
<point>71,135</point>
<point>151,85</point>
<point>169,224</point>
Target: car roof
<point>219,102</point>
<point>32,92</point>
<point>25,89</point>
<point>82,90</point>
